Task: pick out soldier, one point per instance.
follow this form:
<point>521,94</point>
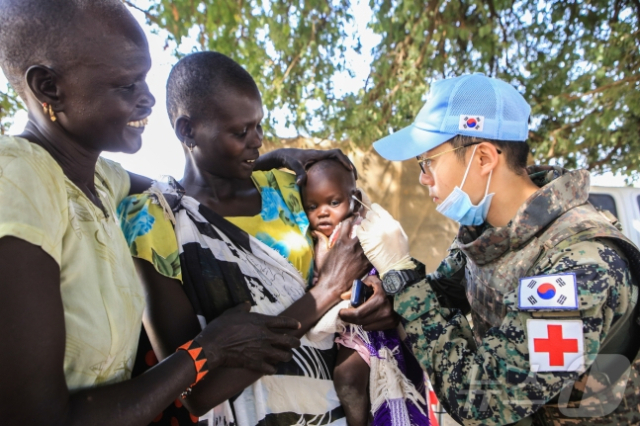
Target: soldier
<point>552,284</point>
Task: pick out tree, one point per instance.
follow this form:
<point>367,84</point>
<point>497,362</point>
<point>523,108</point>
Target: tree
<point>9,105</point>
<point>577,62</point>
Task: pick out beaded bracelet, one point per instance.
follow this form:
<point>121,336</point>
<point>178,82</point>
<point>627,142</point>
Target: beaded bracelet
<point>196,353</point>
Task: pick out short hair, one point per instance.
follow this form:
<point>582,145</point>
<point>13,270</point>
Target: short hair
<point>516,153</point>
<point>43,32</point>
<point>201,79</point>
<point>331,167</point>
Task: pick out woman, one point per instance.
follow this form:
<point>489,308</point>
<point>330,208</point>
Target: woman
<point>241,236</point>
<point>70,300</point>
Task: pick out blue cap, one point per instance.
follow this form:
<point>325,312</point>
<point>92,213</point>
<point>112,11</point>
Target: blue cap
<point>470,105</point>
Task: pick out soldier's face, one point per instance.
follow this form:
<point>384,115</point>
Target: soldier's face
<point>446,171</point>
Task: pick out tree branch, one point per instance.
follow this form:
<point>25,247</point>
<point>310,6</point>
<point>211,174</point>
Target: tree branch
<point>553,134</point>
<point>148,15</point>
<point>298,56</point>
<point>625,80</point>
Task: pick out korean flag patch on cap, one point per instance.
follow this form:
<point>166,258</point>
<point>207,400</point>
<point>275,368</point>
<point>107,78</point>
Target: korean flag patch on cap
<point>548,292</point>
<point>555,345</point>
<point>471,122</point>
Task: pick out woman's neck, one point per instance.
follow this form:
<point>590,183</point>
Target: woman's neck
<point>76,161</point>
<point>225,196</point>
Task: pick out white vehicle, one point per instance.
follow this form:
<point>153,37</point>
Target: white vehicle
<point>623,203</point>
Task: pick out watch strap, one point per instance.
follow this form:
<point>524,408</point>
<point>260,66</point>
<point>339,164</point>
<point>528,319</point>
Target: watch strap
<point>409,276</point>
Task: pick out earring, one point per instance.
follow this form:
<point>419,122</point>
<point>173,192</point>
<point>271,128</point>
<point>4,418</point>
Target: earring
<point>46,108</point>
<point>191,148</point>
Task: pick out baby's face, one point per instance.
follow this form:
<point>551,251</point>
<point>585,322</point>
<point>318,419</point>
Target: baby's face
<point>327,202</point>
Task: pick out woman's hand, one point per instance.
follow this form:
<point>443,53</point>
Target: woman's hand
<point>298,160</point>
<point>239,338</point>
<point>344,262</point>
<point>376,313</point>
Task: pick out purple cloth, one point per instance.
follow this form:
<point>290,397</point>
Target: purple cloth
<point>399,412</point>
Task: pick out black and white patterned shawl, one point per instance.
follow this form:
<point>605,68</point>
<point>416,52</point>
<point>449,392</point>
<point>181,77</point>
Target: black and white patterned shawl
<point>223,266</point>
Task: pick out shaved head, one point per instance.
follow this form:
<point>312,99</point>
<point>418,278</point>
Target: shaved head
<point>201,81</point>
<point>331,168</point>
<point>51,33</point>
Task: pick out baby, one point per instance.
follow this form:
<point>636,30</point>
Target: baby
<point>375,372</point>
<point>328,200</point>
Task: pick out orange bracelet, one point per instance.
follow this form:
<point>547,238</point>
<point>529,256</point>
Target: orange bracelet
<point>196,353</point>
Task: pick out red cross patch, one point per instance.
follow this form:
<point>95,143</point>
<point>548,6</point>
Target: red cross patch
<point>555,345</point>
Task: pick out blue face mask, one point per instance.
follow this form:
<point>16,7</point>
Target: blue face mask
<point>458,206</point>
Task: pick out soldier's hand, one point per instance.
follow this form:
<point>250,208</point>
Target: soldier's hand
<point>384,241</point>
<point>376,313</point>
<point>239,338</point>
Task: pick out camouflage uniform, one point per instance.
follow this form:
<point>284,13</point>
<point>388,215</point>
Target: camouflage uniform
<point>483,377</point>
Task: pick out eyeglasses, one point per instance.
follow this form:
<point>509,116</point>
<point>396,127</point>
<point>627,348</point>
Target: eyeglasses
<point>422,162</point>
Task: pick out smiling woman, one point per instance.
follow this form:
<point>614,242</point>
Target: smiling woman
<point>241,235</point>
<point>70,301</point>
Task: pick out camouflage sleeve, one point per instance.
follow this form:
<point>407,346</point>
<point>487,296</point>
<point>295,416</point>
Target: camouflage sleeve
<point>448,281</point>
<point>492,383</point>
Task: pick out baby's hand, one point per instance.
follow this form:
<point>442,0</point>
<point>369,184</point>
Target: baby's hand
<point>322,248</point>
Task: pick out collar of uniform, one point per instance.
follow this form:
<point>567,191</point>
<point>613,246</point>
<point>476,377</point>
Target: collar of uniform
<point>560,190</point>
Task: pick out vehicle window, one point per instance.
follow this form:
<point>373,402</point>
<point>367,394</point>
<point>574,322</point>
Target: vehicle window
<point>605,202</point>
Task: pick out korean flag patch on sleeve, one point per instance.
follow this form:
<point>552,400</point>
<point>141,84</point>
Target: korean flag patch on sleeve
<point>548,292</point>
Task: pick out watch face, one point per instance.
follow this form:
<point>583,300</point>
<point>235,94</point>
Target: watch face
<point>392,282</point>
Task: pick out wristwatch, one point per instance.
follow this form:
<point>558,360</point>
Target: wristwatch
<point>394,281</point>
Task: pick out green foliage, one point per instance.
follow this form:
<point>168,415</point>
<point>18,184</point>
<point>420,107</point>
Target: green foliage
<point>9,105</point>
<point>291,47</point>
<point>577,62</point>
